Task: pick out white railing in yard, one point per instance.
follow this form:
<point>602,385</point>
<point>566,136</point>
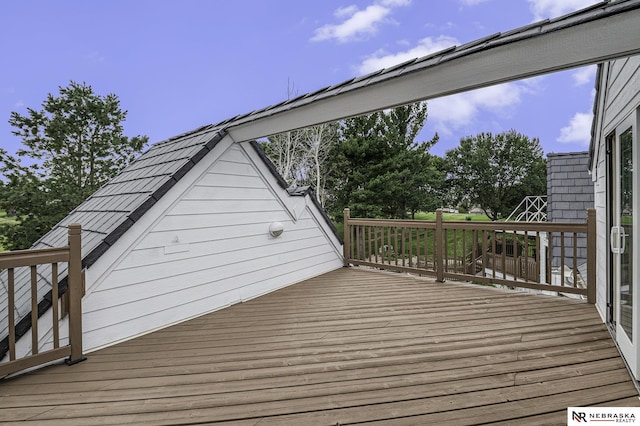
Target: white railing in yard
<point>535,210</point>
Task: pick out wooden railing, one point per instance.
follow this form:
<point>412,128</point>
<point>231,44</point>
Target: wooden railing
<point>534,255</point>
<point>9,261</point>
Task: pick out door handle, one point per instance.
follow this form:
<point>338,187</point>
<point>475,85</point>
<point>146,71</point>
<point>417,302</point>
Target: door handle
<point>614,239</point>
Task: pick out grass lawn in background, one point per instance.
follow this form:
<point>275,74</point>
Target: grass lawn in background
<point>4,219</point>
<point>453,216</point>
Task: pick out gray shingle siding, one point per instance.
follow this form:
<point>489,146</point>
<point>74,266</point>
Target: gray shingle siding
<point>569,194</point>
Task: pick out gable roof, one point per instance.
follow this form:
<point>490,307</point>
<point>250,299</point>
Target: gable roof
<point>108,213</point>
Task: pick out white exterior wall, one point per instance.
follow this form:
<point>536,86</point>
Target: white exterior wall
<point>619,97</point>
<point>203,246</point>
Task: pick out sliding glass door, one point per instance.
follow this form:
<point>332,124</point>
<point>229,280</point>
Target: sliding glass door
<point>623,238</point>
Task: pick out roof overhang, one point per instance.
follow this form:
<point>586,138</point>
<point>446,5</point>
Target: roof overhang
<point>606,31</point>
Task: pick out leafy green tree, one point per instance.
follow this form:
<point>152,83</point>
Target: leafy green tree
<point>383,171</point>
<point>72,146</point>
<point>496,172</point>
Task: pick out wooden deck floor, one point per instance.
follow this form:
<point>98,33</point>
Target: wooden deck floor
<point>348,347</point>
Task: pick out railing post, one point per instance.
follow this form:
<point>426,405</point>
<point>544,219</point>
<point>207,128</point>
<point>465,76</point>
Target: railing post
<point>75,294</point>
<point>591,255</point>
<point>346,242</point>
<point>439,247</point>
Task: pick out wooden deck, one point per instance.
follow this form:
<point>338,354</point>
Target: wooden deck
<point>348,347</point>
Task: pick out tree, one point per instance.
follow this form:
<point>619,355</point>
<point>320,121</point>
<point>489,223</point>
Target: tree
<point>288,154</point>
<point>496,172</point>
<point>74,145</point>
<point>383,171</point>
<point>301,156</point>
<point>319,141</point>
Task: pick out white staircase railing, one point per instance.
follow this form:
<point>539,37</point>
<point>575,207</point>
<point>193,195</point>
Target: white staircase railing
<point>535,210</point>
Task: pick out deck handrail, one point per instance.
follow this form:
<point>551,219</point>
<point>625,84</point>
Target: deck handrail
<point>70,254</point>
<point>544,255</point>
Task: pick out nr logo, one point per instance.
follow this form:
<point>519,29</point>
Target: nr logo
<point>579,417</point>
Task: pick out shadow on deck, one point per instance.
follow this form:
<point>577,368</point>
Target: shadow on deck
<point>347,347</point>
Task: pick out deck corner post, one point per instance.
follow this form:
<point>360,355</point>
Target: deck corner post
<point>439,247</point>
<point>75,294</point>
<point>591,255</point>
<point>346,244</point>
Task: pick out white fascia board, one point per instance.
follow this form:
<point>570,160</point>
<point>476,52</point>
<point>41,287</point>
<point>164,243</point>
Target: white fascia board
<point>582,44</point>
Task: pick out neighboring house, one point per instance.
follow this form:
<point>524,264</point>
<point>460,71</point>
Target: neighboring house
<point>569,195</point>
<point>182,231</point>
<point>615,165</point>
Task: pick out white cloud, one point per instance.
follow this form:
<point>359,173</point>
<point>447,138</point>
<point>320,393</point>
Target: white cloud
<point>553,8</point>
<point>584,75</point>
<point>578,130</point>
<point>358,24</point>
<point>395,3</point>
<point>426,46</point>
<point>472,2</point>
<point>19,104</point>
<point>457,111</point>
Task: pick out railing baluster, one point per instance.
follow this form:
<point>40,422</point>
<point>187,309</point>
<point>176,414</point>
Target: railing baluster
<point>464,252</point>
<point>12,314</point>
<point>503,256</point>
<point>591,255</point>
<point>369,243</point>
<point>445,254</point>
<point>537,258</point>
<point>411,247</point>
<point>346,251</point>
<point>562,259</point>
<point>455,250</point>
<point>549,259</point>
<point>485,255</point>
<point>493,254</point>
<point>375,243</point>
<point>526,255</point>
<point>388,249</point>
<point>575,258</point>
<point>359,240</point>
<point>54,305</point>
<point>396,248</point>
<point>34,310</point>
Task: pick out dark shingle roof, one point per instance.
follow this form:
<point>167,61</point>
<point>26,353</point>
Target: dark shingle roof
<point>107,214</point>
<point>115,207</point>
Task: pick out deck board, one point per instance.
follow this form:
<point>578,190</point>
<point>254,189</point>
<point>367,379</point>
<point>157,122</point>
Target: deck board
<point>347,347</point>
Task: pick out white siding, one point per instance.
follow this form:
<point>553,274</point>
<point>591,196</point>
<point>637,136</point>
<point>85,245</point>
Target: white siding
<point>204,246</point>
<point>620,96</point>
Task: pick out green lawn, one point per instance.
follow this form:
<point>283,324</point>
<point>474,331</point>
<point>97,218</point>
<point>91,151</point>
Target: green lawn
<point>4,219</point>
<point>453,216</point>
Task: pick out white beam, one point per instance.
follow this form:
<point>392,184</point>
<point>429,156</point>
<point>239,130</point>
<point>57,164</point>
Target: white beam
<point>556,49</point>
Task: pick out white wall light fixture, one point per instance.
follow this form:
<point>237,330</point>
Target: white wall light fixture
<point>276,229</point>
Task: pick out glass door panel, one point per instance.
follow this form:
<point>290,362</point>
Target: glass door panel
<point>624,206</point>
<point>625,232</point>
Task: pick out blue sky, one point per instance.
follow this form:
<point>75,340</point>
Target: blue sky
<point>177,65</point>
